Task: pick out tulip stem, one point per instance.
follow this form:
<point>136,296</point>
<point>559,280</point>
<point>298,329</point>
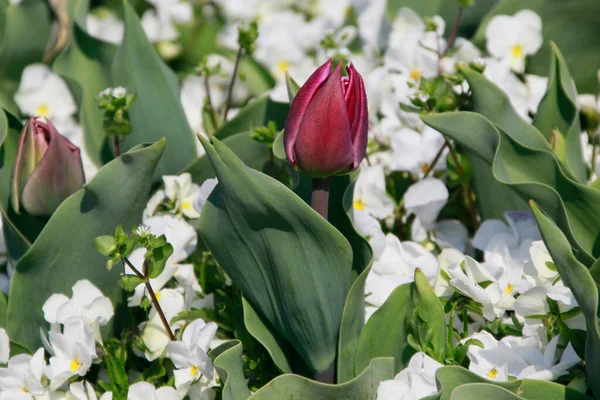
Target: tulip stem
<point>231,83</point>
<point>151,293</point>
<point>117,148</point>
<point>319,200</point>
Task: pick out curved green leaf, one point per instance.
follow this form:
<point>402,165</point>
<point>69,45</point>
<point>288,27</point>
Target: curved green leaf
<point>156,111</point>
<point>227,359</point>
<point>20,45</point>
<point>363,387</point>
<point>412,309</point>
<point>85,64</point>
<point>477,391</point>
<point>533,173</point>
<point>578,278</point>
<point>292,265</point>
<point>580,46</point>
<point>261,331</point>
<point>452,377</point>
<point>557,114</point>
<point>65,252</point>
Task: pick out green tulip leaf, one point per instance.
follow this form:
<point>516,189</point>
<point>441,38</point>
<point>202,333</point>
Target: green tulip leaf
<point>156,112</point>
<point>411,310</point>
<point>450,378</point>
<point>476,391</point>
<point>580,46</point>
<point>363,387</point>
<point>532,173</point>
<point>274,247</point>
<point>585,290</point>
<point>85,65</point>
<point>557,116</point>
<point>65,251</point>
<point>227,359</point>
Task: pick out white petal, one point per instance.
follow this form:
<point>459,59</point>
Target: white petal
<point>426,199</point>
<point>4,346</point>
<point>52,305</point>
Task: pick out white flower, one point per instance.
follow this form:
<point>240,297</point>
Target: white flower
<point>370,195</point>
<point>180,192</point>
<point>416,381</point>
<point>44,94</point>
<point>105,26</point>
<point>496,360</point>
<point>396,266</point>
<point>450,233</point>
<point>146,391</point>
<point>84,391</point>
<point>546,271</point>
<point>4,346</point>
<point>74,350</point>
<point>414,151</point>
<point>87,302</point>
<point>513,38</point>
<point>119,92</point>
<point>205,190</point>
<point>21,379</point>
<point>426,199</point>
<point>190,355</point>
<point>369,227</point>
<point>159,24</point>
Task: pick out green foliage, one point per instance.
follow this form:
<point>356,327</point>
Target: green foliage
<point>247,36</point>
<point>269,263</point>
<point>64,252</point>
<point>412,319</point>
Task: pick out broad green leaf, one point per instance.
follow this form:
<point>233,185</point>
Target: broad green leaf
<point>274,247</point>
<point>64,252</point>
<point>386,333</point>
<point>20,45</point>
<point>227,359</point>
<point>85,64</point>
<point>533,173</point>
<point>252,153</point>
<point>557,116</point>
<point>476,391</point>
<point>257,113</point>
<point>578,278</point>
<point>363,387</point>
<point>156,111</point>
<point>262,331</point>
<point>571,25</point>
<point>452,377</point>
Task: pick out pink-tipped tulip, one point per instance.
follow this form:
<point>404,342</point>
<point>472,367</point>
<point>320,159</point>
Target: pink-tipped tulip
<point>48,169</point>
<point>326,129</point>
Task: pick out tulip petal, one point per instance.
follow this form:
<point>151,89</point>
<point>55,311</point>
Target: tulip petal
<point>24,163</point>
<point>58,175</point>
<point>324,146</point>
<point>299,105</point>
<point>358,113</point>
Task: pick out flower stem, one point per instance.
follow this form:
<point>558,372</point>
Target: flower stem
<point>152,295</point>
<point>231,83</point>
<point>319,200</point>
<point>213,115</point>
<point>117,148</point>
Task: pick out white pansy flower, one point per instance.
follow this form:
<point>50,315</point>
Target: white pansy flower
<point>44,94</point>
<point>205,190</point>
<point>84,391</point>
<point>451,233</point>
<point>496,360</point>
<point>370,194</point>
<point>104,25</point>
<point>369,227</point>
<point>146,391</point>
<point>179,192</point>
<point>22,377</point>
<point>416,381</point>
<point>74,350</point>
<point>545,270</point>
<point>190,355</point>
<point>512,38</point>
<point>396,266</point>
<point>87,302</point>
<point>426,199</point>
<point>414,151</point>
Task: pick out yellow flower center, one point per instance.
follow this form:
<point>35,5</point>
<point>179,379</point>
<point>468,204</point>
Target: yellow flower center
<point>415,74</point>
<point>424,167</point>
<point>517,51</point>
<point>157,296</point>
<point>359,205</point>
<point>75,364</point>
<point>509,288</point>
<point>186,205</point>
<point>194,370</point>
<point>43,110</point>
<point>25,390</point>
<point>283,66</point>
<point>492,374</point>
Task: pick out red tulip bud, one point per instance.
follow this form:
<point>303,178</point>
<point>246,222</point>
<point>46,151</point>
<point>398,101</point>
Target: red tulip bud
<point>326,129</point>
<point>48,169</point>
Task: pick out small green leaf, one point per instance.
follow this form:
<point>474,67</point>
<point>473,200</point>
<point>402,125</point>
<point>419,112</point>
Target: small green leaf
<point>130,282</point>
<point>105,245</point>
<point>158,260</point>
